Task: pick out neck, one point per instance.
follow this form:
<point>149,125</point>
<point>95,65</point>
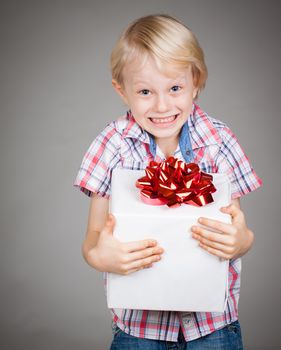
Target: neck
<point>168,148</point>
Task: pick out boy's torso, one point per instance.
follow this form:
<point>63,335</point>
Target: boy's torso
<point>215,149</point>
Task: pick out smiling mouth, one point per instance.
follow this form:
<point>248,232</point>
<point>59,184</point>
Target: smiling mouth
<point>165,120</point>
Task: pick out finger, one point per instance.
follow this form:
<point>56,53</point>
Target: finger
<point>200,233</point>
<point>148,266</point>
<point>145,253</point>
<point>141,263</point>
<point>139,245</point>
<point>216,225</point>
<point>131,271</point>
<point>138,269</point>
<point>216,252</point>
<point>233,210</point>
<point>223,247</point>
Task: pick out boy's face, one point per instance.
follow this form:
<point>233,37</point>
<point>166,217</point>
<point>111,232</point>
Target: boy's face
<point>160,103</point>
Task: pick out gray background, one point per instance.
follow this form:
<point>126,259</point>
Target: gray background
<point>56,96</point>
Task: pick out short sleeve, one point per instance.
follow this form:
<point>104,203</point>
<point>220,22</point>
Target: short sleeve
<point>233,161</point>
<point>94,175</point>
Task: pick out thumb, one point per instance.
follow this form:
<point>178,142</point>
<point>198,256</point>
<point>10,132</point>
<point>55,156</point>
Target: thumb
<point>231,209</point>
<point>110,224</point>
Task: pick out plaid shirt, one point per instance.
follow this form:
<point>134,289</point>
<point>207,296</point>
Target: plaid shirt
<point>123,143</point>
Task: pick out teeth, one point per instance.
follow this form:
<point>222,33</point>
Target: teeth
<point>164,120</point>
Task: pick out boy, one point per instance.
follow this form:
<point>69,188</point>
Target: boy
<point>158,70</point>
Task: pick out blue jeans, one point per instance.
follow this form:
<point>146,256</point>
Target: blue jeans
<point>227,338</point>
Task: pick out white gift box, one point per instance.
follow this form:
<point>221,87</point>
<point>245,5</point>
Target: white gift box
<point>187,278</point>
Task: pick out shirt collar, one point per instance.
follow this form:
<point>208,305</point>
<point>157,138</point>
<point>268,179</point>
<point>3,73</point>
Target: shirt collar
<point>202,130</point>
<point>133,130</point>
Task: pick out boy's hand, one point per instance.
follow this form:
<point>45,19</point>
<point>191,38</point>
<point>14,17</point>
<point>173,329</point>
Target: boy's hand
<point>111,255</point>
<point>229,240</point>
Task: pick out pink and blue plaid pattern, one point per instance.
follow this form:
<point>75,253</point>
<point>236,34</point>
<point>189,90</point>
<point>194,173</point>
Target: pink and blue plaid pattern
<point>216,150</point>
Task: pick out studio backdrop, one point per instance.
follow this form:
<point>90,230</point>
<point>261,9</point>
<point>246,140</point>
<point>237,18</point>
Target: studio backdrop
<point>56,96</point>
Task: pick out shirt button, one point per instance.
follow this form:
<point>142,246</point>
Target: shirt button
<point>188,152</point>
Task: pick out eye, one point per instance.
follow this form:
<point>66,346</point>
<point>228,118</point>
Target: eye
<point>176,88</point>
<point>144,92</point>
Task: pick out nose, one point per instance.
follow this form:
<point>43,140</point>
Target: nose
<point>162,103</point>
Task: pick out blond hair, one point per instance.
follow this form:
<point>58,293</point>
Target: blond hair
<point>164,38</point>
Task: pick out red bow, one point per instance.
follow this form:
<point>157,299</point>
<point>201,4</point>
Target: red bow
<point>174,182</point>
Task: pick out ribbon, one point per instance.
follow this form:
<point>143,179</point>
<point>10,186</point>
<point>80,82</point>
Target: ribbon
<point>174,182</point>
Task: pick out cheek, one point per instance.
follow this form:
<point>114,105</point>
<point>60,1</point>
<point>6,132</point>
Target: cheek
<point>185,101</point>
<point>141,105</point>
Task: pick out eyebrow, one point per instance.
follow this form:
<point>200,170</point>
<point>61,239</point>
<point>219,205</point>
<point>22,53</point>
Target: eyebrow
<point>171,81</point>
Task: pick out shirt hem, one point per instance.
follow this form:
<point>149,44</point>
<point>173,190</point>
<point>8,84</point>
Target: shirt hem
<point>175,338</point>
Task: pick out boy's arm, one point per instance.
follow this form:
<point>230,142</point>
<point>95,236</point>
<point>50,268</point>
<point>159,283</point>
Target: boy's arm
<point>98,213</point>
<point>105,253</point>
<point>229,240</point>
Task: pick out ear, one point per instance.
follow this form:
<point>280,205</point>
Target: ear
<point>195,93</point>
<point>119,89</point>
